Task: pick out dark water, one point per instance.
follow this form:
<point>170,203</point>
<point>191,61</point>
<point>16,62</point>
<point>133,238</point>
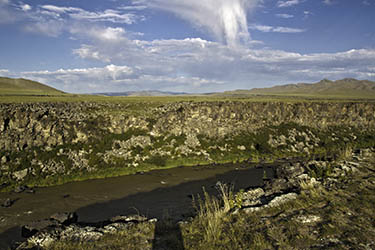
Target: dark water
<point>159,193</point>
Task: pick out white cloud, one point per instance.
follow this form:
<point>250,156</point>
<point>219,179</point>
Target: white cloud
<point>114,78</point>
<point>7,14</point>
<point>283,4</point>
<point>4,72</point>
<point>109,15</point>
<point>52,28</point>
<point>135,7</point>
<point>106,34</point>
<point>25,7</point>
<point>51,20</point>
<point>284,16</point>
<point>196,65</point>
<point>225,19</point>
<point>266,28</point>
<point>61,10</point>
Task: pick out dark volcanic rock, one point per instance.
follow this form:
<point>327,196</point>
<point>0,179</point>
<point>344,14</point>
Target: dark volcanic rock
<point>20,189</point>
<point>36,226</point>
<point>8,203</point>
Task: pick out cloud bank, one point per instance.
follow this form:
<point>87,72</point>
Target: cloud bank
<point>196,65</point>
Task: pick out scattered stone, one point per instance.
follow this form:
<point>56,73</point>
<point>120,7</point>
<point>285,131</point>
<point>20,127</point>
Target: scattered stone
<point>128,218</point>
<point>84,234</point>
<point>20,189</point>
<point>7,203</point>
<point>30,191</point>
<point>114,227</point>
<point>4,159</point>
<point>153,220</point>
<point>20,175</point>
<point>4,184</point>
<point>40,241</point>
<point>289,170</point>
<point>36,226</point>
<point>277,201</point>
<point>308,219</point>
<point>252,197</point>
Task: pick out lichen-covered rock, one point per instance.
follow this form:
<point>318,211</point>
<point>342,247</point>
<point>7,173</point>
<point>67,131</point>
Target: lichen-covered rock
<point>20,175</point>
<point>64,227</point>
<point>252,197</point>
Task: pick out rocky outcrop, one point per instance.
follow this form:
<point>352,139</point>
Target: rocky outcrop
<point>44,140</point>
<point>294,177</point>
<point>49,124</point>
<point>64,227</point>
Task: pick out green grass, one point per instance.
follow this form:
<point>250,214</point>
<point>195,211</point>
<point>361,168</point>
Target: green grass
<point>24,87</point>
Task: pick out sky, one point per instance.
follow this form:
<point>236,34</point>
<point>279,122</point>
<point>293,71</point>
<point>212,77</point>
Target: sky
<point>195,46</point>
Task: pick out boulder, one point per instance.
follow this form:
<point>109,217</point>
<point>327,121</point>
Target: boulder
<point>65,218</point>
<point>20,189</point>
<point>4,159</point>
<point>289,170</point>
<point>7,203</point>
<point>252,197</point>
<point>36,226</point>
<point>20,175</point>
<point>128,218</point>
<point>83,234</point>
<point>39,241</point>
<point>278,200</point>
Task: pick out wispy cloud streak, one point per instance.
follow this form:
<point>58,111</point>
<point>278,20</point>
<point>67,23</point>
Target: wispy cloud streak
<point>225,19</point>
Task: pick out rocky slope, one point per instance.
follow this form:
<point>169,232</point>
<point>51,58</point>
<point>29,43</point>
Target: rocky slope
<point>43,142</point>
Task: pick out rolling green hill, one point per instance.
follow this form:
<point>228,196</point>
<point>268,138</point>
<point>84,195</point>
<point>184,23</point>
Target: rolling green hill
<point>9,86</point>
<point>345,88</point>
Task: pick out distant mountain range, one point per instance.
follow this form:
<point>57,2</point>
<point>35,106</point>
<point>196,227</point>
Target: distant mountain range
<point>345,88</point>
<point>9,86</point>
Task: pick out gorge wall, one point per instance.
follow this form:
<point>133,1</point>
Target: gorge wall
<point>48,140</point>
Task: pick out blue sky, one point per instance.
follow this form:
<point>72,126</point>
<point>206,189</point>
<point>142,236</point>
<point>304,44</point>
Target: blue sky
<point>86,46</point>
